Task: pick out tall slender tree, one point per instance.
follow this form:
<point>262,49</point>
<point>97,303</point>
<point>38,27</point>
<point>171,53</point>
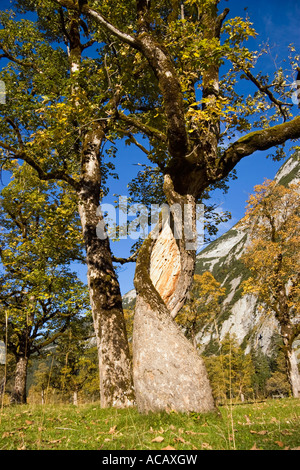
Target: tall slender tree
<point>56,121</point>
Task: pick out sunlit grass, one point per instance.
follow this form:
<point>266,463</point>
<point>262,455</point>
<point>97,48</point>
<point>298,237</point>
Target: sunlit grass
<point>269,425</point>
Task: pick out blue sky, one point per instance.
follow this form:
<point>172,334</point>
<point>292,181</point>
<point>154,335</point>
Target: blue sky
<point>277,23</point>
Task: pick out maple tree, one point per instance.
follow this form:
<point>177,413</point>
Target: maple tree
<point>179,46</point>
<point>158,74</point>
<point>273,259</point>
<point>56,122</point>
<point>39,293</point>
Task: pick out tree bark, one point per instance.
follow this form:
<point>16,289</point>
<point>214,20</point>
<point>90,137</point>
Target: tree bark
<point>19,391</point>
<point>168,372</point>
<point>116,385</point>
<point>294,375</point>
<point>287,334</point>
<point>115,369</point>
<point>288,330</point>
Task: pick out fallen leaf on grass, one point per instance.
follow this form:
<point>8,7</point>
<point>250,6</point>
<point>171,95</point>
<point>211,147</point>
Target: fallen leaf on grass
<point>205,445</point>
<point>295,448</point>
<point>247,419</point>
<point>8,434</point>
<point>112,430</point>
<point>168,448</point>
<point>279,443</point>
<point>57,441</point>
<point>262,433</point>
<point>179,439</point>
<point>28,422</point>
<point>254,447</point>
<point>193,433</point>
<point>158,439</point>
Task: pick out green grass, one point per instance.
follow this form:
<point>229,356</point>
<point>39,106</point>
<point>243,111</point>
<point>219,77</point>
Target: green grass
<point>269,425</point>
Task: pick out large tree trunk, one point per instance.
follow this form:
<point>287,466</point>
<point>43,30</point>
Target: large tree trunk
<point>19,391</point>
<point>168,372</point>
<point>116,385</point>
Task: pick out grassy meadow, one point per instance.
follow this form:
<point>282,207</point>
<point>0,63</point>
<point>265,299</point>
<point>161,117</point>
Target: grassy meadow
<point>268,425</point>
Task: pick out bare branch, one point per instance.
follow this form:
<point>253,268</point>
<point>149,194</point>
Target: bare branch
<point>266,89</point>
<point>130,259</point>
<point>219,22</point>
<point>124,37</point>
<point>135,142</point>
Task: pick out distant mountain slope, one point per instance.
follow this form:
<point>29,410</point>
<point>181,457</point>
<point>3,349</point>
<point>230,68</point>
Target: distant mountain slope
<point>128,299</point>
<point>241,315</point>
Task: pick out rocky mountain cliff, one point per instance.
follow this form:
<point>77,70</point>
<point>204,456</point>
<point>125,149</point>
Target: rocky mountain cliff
<point>240,315</point>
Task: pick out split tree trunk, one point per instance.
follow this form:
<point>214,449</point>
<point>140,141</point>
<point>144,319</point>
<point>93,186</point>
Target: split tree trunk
<point>168,372</point>
<point>116,385</point>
